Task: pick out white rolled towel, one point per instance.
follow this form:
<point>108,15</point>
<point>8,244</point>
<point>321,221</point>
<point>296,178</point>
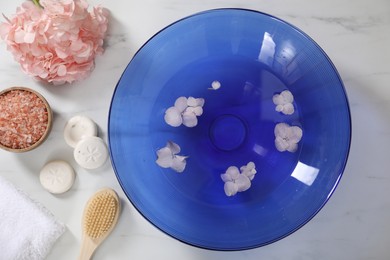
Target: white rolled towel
<point>27,229</point>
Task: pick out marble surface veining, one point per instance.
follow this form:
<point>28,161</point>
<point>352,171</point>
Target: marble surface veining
<point>355,222</point>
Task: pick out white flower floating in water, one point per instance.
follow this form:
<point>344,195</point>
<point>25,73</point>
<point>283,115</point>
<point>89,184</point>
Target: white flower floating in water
<point>168,157</point>
<point>283,102</point>
<point>185,111</point>
<point>249,170</point>
<point>215,85</point>
<point>287,137</point>
<point>236,181</point>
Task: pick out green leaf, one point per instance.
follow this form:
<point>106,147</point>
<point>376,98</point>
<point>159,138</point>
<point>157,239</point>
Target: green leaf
<point>36,2</point>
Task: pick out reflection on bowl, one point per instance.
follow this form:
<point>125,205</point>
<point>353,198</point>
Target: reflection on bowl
<point>25,119</point>
<point>298,144</point>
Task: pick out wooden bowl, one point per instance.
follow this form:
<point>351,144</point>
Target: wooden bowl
<point>25,119</point>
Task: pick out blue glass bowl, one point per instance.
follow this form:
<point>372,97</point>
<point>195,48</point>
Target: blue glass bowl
<point>254,56</point>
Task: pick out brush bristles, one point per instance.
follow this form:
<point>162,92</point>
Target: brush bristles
<point>100,215</point>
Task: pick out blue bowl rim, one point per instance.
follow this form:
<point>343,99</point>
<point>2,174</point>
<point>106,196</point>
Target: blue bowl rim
<point>341,170</point>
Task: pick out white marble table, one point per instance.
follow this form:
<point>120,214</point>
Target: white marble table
<point>355,224</point>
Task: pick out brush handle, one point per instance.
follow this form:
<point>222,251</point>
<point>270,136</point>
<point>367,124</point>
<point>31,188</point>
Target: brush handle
<point>88,247</point>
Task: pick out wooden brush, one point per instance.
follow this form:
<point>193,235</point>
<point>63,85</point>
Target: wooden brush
<point>100,216</point>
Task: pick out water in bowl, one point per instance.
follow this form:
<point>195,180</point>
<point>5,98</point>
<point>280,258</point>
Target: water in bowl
<point>236,127</point>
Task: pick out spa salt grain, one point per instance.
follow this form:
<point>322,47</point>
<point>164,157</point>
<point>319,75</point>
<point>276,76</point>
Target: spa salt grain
<point>24,119</point>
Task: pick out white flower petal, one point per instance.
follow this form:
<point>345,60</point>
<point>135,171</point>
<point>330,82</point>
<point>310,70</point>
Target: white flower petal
<point>164,152</point>
<point>178,164</point>
<point>226,177</point>
<point>230,188</point>
<point>173,147</point>
<point>243,183</point>
<point>233,172</point>
<point>287,96</point>
<point>200,102</point>
<point>278,99</point>
<point>215,84</point>
<point>164,157</point>
<point>281,144</point>
<point>164,162</point>
<point>189,110</point>
<point>281,130</point>
<point>250,174</point>
<point>249,170</point>
<point>181,104</point>
<point>251,165</point>
<point>173,117</point>
<point>288,109</point>
<point>279,108</point>
<point>292,147</point>
<point>198,110</point>
<point>194,102</point>
<point>190,119</point>
<point>181,158</point>
<point>168,159</point>
<point>295,134</point>
<point>191,102</point>
<point>244,169</point>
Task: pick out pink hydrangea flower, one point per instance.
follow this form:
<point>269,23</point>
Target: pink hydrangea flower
<point>58,41</point>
